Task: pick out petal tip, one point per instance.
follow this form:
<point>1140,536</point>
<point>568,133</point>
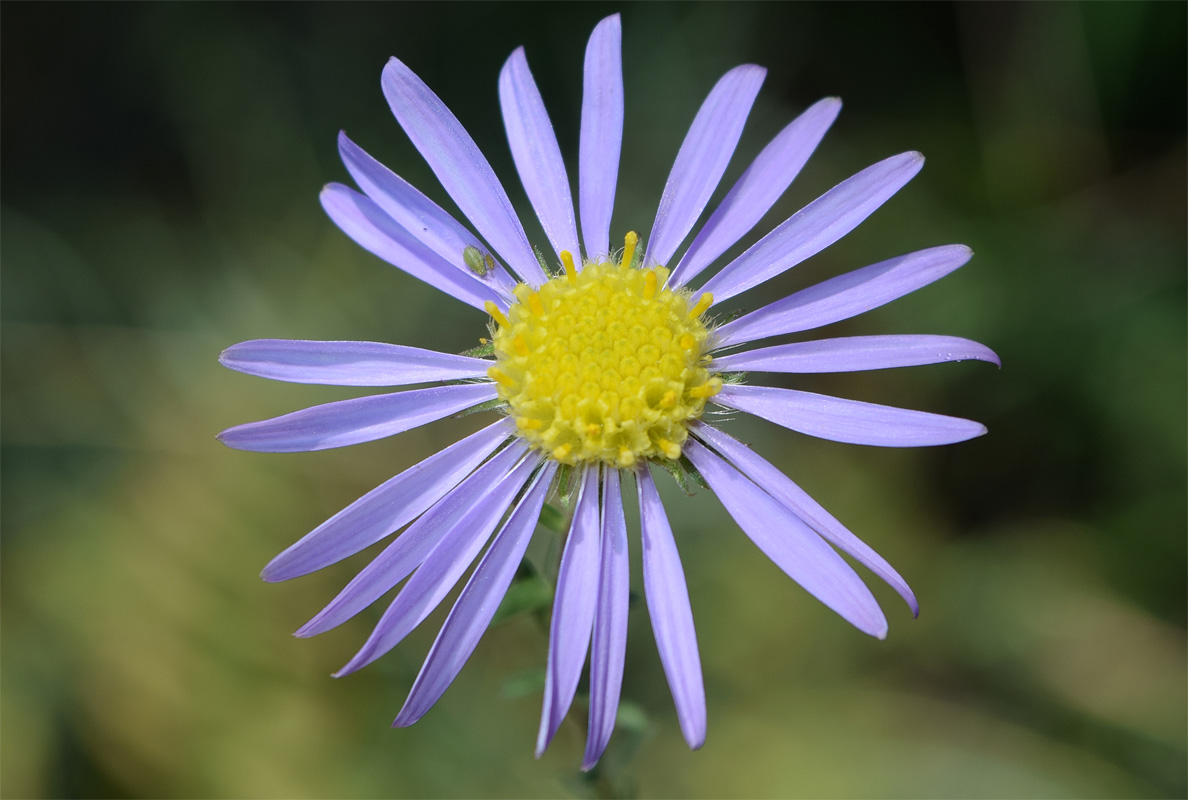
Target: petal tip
<point>954,255</point>
<point>307,631</point>
<point>909,597</point>
<point>232,438</point>
<point>828,108</point>
<point>272,573</point>
<point>329,191</point>
<point>404,719</point>
<point>754,71</point>
<point>517,60</point>
<point>593,754</point>
<point>590,760</point>
<point>545,736</point>
<point>871,625</point>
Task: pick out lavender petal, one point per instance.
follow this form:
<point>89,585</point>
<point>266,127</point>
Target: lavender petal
<point>793,546</point>
<point>348,363</point>
<point>846,295</point>
<point>702,159</point>
<point>386,508</point>
<point>672,618</point>
<point>372,229</point>
<point>602,134</point>
<point>433,580</point>
<point>779,486</point>
<point>573,611</point>
<point>477,604</point>
<point>536,153</point>
<point>362,419</point>
<point>609,648</point>
<point>410,549</point>
<point>416,213</point>
<point>463,171</point>
<point>816,226</point>
<point>849,421</point>
<point>855,354</point>
<point>757,190</point>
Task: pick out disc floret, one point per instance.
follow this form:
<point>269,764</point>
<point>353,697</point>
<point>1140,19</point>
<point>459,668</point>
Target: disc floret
<point>604,365</point>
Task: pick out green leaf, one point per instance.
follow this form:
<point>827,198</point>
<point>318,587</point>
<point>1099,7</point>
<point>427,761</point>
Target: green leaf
<point>522,684</point>
<point>691,472</point>
<point>553,518</point>
<point>529,593</point>
<point>490,405</point>
<point>543,264</point>
<point>637,256</point>
<point>566,484</point>
<point>482,351</point>
<point>632,717</point>
<point>684,473</point>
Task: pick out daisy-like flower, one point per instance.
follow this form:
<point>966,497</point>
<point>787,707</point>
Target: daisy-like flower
<point>602,362</point>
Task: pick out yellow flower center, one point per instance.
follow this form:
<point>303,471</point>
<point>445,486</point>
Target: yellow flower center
<point>604,365</point>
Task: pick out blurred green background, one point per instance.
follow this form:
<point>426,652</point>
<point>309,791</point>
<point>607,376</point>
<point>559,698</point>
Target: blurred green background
<point>161,165</point>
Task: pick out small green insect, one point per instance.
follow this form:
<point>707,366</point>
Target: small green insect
<point>478,262</point>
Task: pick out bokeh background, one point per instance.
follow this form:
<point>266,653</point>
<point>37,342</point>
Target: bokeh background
<point>161,165</point>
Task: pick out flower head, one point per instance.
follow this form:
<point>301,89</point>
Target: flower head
<point>606,365</point>
<point>601,363</point>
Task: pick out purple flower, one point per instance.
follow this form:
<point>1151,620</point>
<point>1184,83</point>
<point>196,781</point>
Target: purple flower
<point>601,363</point>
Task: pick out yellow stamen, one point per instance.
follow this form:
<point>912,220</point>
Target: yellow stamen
<point>707,300</point>
<point>528,424</point>
<point>561,452</point>
<point>669,449</point>
<point>707,389</point>
<point>534,305</point>
<point>496,314</point>
<point>629,243</point>
<point>496,375</point>
<point>650,286</point>
<point>688,342</point>
<point>520,345</point>
<point>567,260</point>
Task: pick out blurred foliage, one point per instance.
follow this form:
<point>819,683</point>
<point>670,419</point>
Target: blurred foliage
<point>161,164</point>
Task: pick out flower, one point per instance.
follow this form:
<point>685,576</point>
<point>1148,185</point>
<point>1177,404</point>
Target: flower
<point>602,365</point>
